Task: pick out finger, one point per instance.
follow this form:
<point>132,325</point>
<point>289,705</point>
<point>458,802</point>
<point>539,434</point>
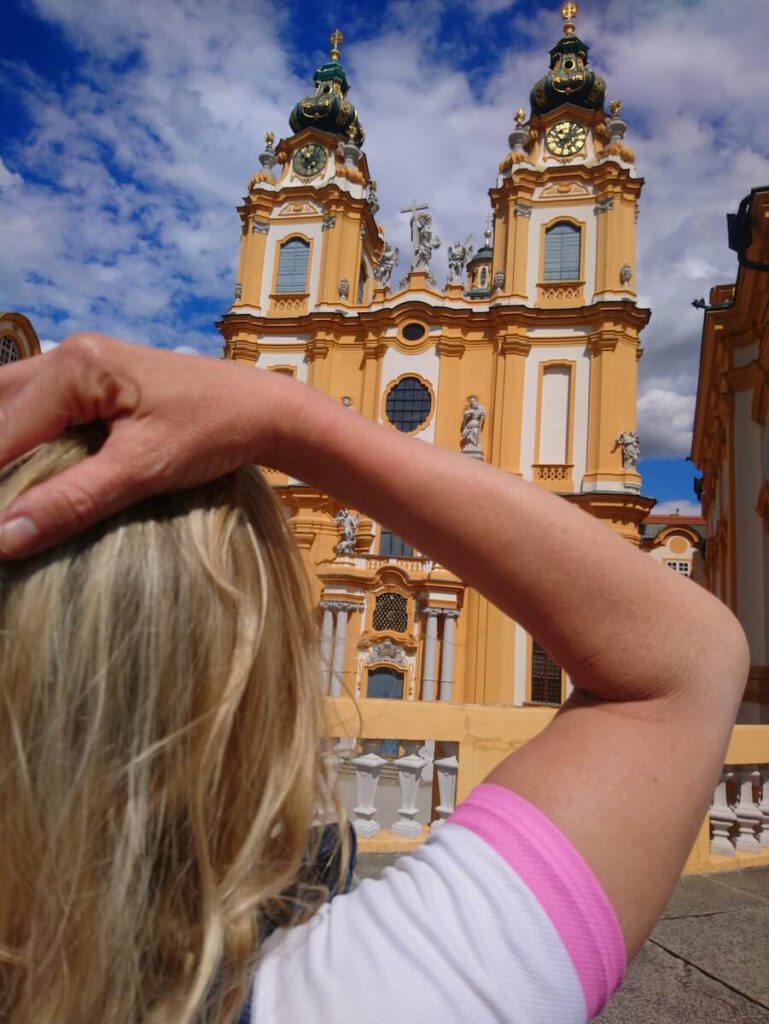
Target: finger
<point>68,390</point>
<point>69,503</point>
<point>15,375</point>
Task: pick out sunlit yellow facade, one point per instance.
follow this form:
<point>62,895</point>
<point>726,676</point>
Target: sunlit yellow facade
<point>541,327</point>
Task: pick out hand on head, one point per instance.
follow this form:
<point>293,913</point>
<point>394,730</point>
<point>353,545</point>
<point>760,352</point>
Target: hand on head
<point>172,422</point>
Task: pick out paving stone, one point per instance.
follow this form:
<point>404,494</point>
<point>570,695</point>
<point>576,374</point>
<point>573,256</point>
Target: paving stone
<point>660,989</point>
<point>731,946</point>
<point>700,894</point>
<point>752,880</point>
<point>371,865</point>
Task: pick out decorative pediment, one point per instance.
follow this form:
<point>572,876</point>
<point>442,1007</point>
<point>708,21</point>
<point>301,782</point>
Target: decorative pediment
<point>387,650</point>
<point>565,189</point>
<point>300,208</point>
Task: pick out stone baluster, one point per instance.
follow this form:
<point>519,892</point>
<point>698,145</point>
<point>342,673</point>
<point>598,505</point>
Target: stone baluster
<point>409,775</point>
<point>763,775</point>
<point>722,819</point>
<point>430,653</point>
<point>748,815</point>
<point>446,768</point>
<point>367,771</point>
<point>326,643</point>
<point>450,617</point>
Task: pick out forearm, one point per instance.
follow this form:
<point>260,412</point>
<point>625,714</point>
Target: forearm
<point>620,625</point>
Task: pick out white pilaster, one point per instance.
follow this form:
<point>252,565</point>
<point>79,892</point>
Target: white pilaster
<point>447,654</point>
<point>430,653</point>
<point>326,642</point>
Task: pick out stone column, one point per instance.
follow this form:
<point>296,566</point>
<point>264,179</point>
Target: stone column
<point>447,656</point>
<point>749,817</point>
<point>722,819</point>
<point>326,642</point>
<point>430,653</point>
<point>343,609</point>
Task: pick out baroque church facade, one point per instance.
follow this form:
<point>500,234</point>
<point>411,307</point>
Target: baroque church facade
<point>526,358</point>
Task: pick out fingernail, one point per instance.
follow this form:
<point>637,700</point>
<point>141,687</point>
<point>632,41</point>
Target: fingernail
<point>17,535</point>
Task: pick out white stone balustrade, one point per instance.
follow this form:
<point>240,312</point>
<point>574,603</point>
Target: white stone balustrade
<point>368,768</point>
<point>410,768</point>
<point>743,826</point>
<point>447,768</point>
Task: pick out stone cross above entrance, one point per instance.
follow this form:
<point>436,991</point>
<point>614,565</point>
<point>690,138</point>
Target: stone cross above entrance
<point>414,210</point>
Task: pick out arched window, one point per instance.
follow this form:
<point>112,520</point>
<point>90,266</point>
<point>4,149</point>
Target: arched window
<point>9,351</point>
<point>484,277</point>
<point>294,259</point>
<point>562,253</point>
<point>545,677</point>
<point>385,683</point>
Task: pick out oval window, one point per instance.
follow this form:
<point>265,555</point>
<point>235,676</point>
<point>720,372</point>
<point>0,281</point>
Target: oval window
<point>408,404</point>
<point>413,332</point>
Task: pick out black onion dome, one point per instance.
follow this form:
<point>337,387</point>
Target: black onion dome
<point>570,79</point>
<point>329,109</point>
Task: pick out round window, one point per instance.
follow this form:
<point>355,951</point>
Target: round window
<point>413,332</point>
<point>408,404</point>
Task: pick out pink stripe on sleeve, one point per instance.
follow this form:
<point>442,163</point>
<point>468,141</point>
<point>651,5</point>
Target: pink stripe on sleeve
<point>560,879</point>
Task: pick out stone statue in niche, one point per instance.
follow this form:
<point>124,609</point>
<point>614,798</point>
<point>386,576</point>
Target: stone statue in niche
<point>348,523</point>
<point>625,274</point>
<point>458,253</point>
<point>344,288</point>
<point>425,243</point>
<point>473,418</point>
<point>630,443</point>
<point>383,271</point>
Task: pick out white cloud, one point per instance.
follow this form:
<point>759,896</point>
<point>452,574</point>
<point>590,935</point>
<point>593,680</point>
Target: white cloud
<point>665,423</point>
<point>8,178</point>
<point>677,507</point>
<point>46,344</point>
<point>187,350</point>
<point>138,165</point>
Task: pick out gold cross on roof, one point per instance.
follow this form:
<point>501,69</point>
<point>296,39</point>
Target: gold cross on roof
<point>569,11</point>
<point>336,39</point>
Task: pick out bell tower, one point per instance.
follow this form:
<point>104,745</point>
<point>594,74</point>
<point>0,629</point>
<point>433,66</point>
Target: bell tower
<point>565,209</point>
<point>309,241</point>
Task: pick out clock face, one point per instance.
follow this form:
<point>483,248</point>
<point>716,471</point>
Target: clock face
<point>310,160</point>
<point>566,138</point>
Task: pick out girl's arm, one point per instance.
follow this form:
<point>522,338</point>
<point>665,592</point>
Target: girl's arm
<point>627,767</point>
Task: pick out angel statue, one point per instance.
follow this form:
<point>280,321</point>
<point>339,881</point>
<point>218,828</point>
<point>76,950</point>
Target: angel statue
<point>630,443</point>
<point>473,418</point>
<point>459,253</point>
<point>425,242</point>
<point>348,521</point>
<point>387,262</point>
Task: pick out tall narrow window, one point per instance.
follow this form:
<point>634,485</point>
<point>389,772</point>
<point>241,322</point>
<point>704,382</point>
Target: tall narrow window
<point>562,253</point>
<point>385,684</point>
<point>294,259</point>
<point>554,415</point>
<point>362,283</point>
<point>545,677</point>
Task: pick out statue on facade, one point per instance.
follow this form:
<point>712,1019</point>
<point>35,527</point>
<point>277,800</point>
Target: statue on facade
<point>458,254</point>
<point>372,198</point>
<point>473,418</point>
<point>348,522</point>
<point>630,443</point>
<point>386,265</point>
<point>425,243</point>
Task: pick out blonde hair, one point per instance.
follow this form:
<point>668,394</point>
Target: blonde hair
<point>160,757</point>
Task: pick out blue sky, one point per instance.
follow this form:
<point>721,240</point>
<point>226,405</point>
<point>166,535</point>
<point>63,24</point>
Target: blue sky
<point>130,131</point>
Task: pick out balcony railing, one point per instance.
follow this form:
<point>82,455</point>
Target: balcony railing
<point>396,792</point>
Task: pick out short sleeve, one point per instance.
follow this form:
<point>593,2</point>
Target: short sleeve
<point>496,919</point>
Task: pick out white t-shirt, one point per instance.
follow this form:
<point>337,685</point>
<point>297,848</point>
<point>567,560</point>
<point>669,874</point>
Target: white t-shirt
<point>496,918</point>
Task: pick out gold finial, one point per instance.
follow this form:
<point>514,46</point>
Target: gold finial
<point>336,39</point>
<point>615,107</point>
<point>520,116</point>
<point>569,12</point>
<point>269,138</point>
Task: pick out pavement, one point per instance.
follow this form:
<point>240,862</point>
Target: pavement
<point>706,962</point>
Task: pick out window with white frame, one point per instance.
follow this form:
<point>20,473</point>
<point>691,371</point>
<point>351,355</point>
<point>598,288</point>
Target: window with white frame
<point>562,247</point>
<point>685,568</point>
<point>294,261</point>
